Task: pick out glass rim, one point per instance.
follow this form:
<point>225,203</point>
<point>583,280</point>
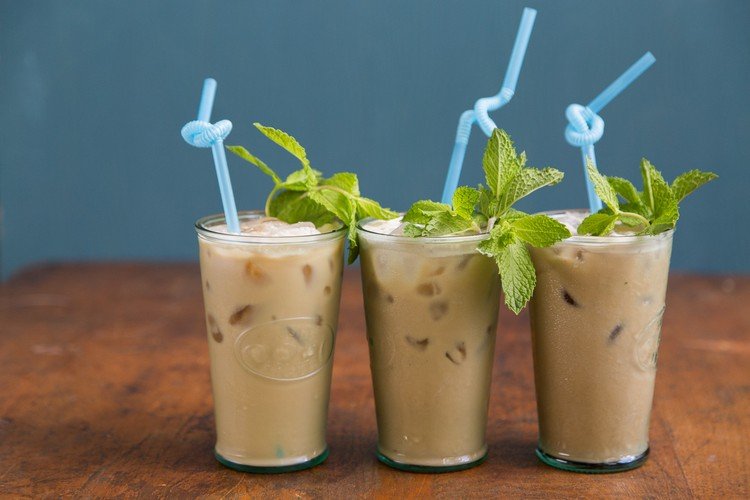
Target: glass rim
<point>203,228</point>
<point>606,240</point>
<point>419,240</point>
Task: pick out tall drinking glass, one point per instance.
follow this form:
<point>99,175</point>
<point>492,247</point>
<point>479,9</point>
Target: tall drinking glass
<point>272,307</point>
<point>595,327</point>
<point>431,307</point>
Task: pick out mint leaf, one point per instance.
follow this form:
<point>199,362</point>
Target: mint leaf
<point>371,208</point>
<point>525,182</point>
<point>602,188</point>
<point>539,230</point>
<point>287,142</point>
<point>599,224</point>
<point>636,208</point>
<point>487,202</point>
<point>345,181</point>
<point>299,180</point>
<point>335,202</point>
<point>446,223</point>
<point>624,188</point>
<point>688,182</point>
<point>658,197</point>
<point>630,219</point>
<point>422,211</point>
<point>464,201</point>
<point>245,155</point>
<point>500,162</point>
<point>296,206</point>
<point>413,231</point>
<point>517,275</point>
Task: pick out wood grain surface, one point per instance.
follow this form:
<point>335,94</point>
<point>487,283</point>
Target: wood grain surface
<point>105,392</point>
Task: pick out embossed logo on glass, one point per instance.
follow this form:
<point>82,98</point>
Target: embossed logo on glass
<point>285,349</point>
<point>647,342</point>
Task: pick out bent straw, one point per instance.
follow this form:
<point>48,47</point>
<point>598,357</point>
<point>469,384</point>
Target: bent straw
<point>481,108</point>
<point>586,127</point>
<point>202,134</point>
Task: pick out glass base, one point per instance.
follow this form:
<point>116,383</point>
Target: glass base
<point>604,468</point>
<point>272,469</point>
<point>430,469</point>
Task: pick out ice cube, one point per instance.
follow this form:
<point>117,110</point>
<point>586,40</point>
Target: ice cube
<point>438,309</point>
<point>457,355</point>
<point>274,227</point>
<point>391,226</point>
<point>241,314</point>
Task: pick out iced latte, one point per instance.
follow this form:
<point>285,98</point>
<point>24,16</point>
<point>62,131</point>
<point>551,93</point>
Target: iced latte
<point>271,299</point>
<point>595,321</point>
<point>431,307</point>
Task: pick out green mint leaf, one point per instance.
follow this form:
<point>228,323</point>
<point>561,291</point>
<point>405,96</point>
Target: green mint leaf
<point>512,214</point>
<point>525,182</point>
<point>299,180</point>
<point>500,236</point>
<point>629,220</point>
<point>464,201</point>
<point>335,202</point>
<point>662,202</point>
<point>636,208</point>
<point>517,275</point>
<point>662,223</point>
<point>345,181</point>
<point>499,162</point>
<point>539,230</point>
<point>287,142</point>
<point>624,188</point>
<point>602,188</point>
<point>647,196</point>
<point>351,235</point>
<point>344,207</point>
<point>599,224</point>
<point>247,156</point>
<point>413,230</point>
<point>446,223</point>
<point>487,202</point>
<point>371,208</point>
<point>296,206</point>
<point>688,182</point>
<point>422,211</point>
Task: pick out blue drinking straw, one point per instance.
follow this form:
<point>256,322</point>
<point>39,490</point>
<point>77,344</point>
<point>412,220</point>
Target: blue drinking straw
<point>202,134</point>
<point>586,127</point>
<point>486,104</point>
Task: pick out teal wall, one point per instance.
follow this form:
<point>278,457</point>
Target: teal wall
<point>93,95</point>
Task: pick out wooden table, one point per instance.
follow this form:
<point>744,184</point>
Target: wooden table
<point>105,391</point>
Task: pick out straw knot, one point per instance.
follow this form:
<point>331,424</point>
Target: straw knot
<point>585,128</point>
<point>203,134</point>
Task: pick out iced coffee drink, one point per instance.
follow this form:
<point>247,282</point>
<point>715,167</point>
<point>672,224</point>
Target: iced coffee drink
<point>271,299</point>
<point>431,307</point>
<point>595,321</point>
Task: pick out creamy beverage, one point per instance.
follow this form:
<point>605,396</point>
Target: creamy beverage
<point>271,299</point>
<point>431,307</point>
<point>595,319</point>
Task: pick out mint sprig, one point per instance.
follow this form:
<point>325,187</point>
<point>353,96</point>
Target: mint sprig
<point>305,195</point>
<point>653,210</point>
<point>490,209</point>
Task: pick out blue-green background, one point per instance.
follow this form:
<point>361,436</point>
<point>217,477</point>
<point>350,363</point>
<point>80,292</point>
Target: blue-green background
<point>93,95</point>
